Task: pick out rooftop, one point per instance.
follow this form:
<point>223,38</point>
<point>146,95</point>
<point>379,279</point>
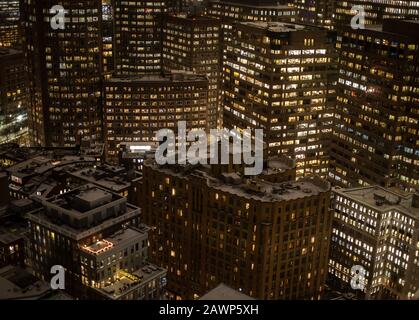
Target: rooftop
<point>173,76</point>
<point>110,177</point>
<point>82,211</point>
<point>17,283</point>
<point>130,281</point>
<point>116,240</point>
<point>224,292</point>
<point>275,26</point>
<point>248,187</point>
<point>383,199</point>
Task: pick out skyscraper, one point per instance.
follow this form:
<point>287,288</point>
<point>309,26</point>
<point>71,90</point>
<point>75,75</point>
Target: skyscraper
<point>376,11</point>
<point>376,120</point>
<point>136,107</point>
<point>137,36</point>
<point>316,12</point>
<point>281,77</point>
<point>9,23</point>
<point>65,67</point>
<point>211,224</point>
<point>375,229</point>
<point>192,43</point>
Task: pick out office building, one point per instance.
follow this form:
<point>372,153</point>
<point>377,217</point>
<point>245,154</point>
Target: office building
<point>65,67</point>
<point>9,24</point>
<point>377,229</point>
<point>192,43</point>
<point>97,237</point>
<point>137,36</point>
<point>14,97</point>
<point>211,225</point>
<point>136,107</point>
<point>376,120</point>
<point>281,78</point>
<point>376,11</point>
<point>316,12</point>
<point>231,12</point>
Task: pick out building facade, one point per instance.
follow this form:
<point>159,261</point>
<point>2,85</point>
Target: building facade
<point>97,237</point>
<point>65,67</point>
<point>376,229</point>
<point>211,225</point>
<point>137,107</point>
<point>14,97</point>
<point>376,11</point>
<point>281,78</point>
<point>376,119</point>
<point>9,24</point>
<point>316,12</point>
<point>137,36</point>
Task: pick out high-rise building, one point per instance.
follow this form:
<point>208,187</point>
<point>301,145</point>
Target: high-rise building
<point>192,43</point>
<point>98,239</point>
<point>375,136</point>
<point>376,11</point>
<point>316,12</point>
<point>231,12</point>
<point>107,37</point>
<point>375,229</point>
<point>137,36</point>
<point>14,97</point>
<point>281,78</point>
<point>65,67</point>
<point>137,107</point>
<point>212,225</point>
<point>9,23</point>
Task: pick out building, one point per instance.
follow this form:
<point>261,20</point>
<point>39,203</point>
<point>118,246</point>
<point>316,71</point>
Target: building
<point>376,120</point>
<point>9,24</point>
<point>192,43</point>
<point>48,173</point>
<point>316,12</point>
<point>236,11</point>
<point>281,78</point>
<point>137,37</point>
<point>376,11</point>
<point>65,72</point>
<point>378,229</point>
<point>19,284</point>
<point>210,224</point>
<point>104,237</point>
<point>107,37</point>
<point>14,97</point>
<point>136,107</point>
<point>223,292</point>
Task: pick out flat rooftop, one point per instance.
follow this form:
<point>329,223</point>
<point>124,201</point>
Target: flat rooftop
<point>275,26</point>
<point>130,281</point>
<point>17,283</point>
<point>110,177</point>
<point>383,199</point>
<point>224,292</point>
<point>251,188</point>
